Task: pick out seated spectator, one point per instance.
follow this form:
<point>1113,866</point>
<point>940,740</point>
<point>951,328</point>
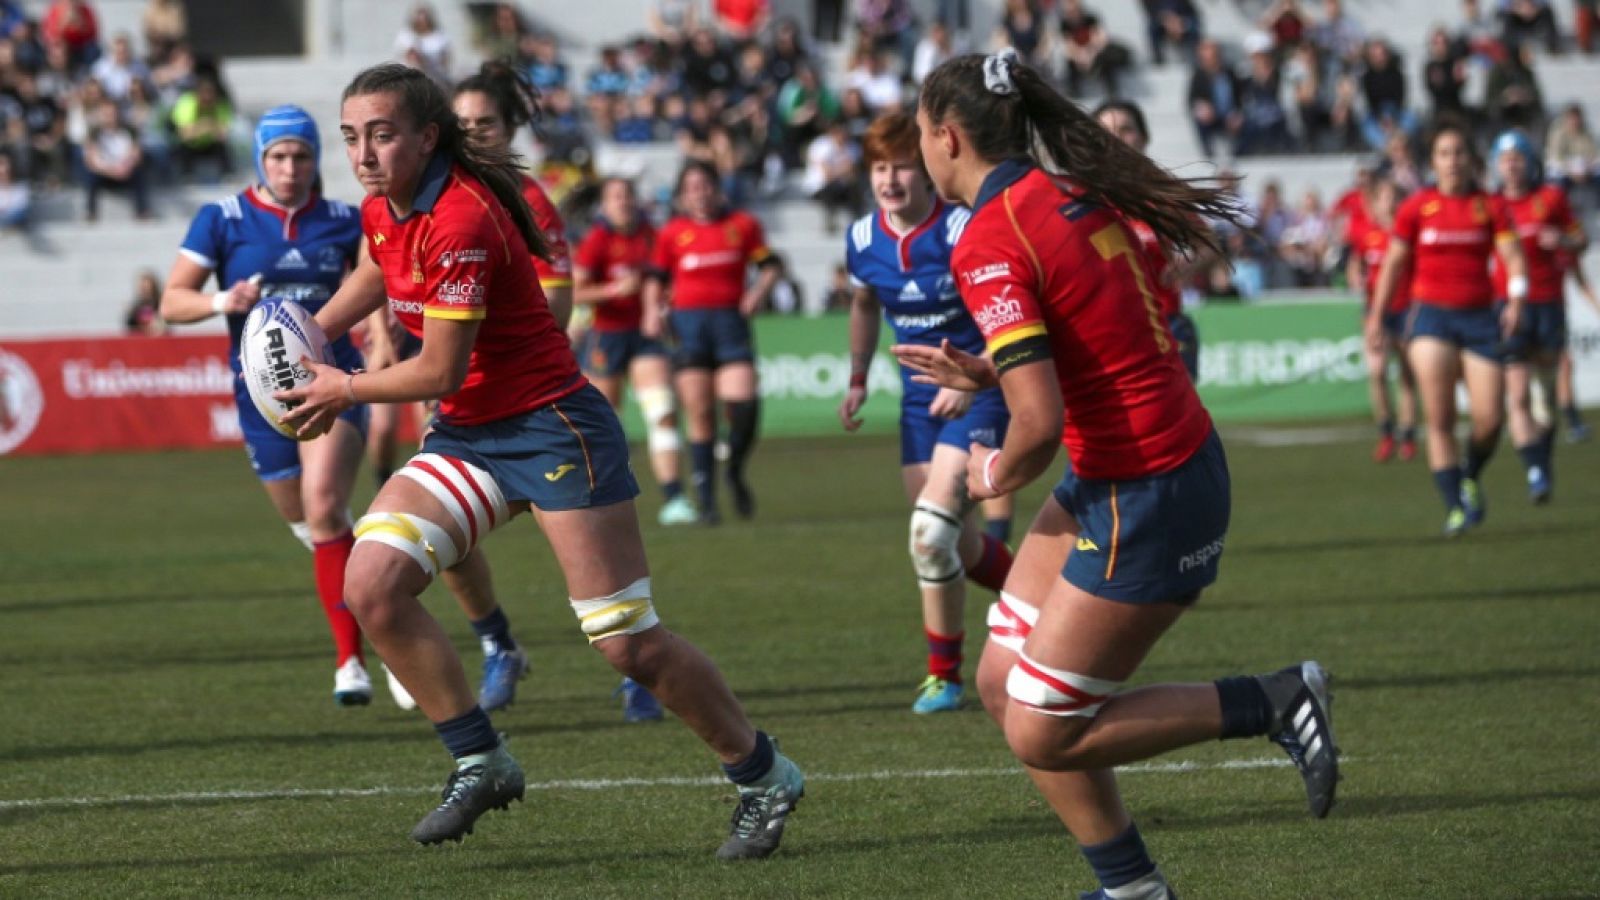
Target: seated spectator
<point>561,137</point>
<point>1090,52</point>
<point>804,106</point>
<point>545,69</point>
<point>1213,98</point>
<point>729,156</point>
<point>855,114</point>
<point>177,75</point>
<point>833,175</point>
<point>1272,221</point>
<point>25,45</point>
<point>1023,29</point>
<point>786,53</point>
<point>148,119</point>
<point>1174,22</point>
<point>888,25</point>
<point>45,124</point>
<point>72,23</point>
<point>1526,20</point>
<point>1572,156</point>
<point>1383,85</point>
<point>1400,164</point>
<point>144,313</point>
<point>879,87</point>
<point>672,21</point>
<point>1444,75</point>
<point>118,69</point>
<point>1478,33</point>
<point>1286,22</point>
<point>1219,283</point>
<point>839,294</point>
<point>692,132</point>
<point>638,125</point>
<point>1512,98</point>
<point>11,15</point>
<point>16,198</point>
<point>1311,96</point>
<point>202,119</point>
<point>421,36</point>
<point>1585,16</point>
<point>166,25</point>
<point>1307,243</point>
<point>707,65</point>
<point>741,20</point>
<point>57,77</point>
<point>1264,124</point>
<point>608,77</point>
<point>506,31</point>
<point>751,75</point>
<point>1339,38</point>
<point>936,46</point>
<point>113,160</point>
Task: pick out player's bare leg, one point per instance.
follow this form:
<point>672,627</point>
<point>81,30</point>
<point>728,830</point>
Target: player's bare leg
<point>1486,402</point>
<point>1437,366</point>
<point>1535,443</point>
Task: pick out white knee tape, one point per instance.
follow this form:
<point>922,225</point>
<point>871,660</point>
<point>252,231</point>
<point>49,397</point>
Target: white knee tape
<point>662,439</point>
<point>468,493</point>
<point>1010,621</point>
<point>935,544</point>
<point>655,404</point>
<point>1057,692</point>
<point>418,538</point>
<point>628,611</point>
<point>302,533</point>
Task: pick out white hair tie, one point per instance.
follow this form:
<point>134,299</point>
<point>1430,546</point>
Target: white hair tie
<point>997,71</point>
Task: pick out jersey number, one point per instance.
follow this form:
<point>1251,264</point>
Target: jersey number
<point>1112,242</point>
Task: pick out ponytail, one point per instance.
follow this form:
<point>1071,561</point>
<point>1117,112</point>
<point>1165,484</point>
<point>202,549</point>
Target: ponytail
<point>1008,110</point>
<point>426,104</point>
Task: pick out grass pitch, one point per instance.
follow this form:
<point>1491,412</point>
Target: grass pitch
<point>168,727</point>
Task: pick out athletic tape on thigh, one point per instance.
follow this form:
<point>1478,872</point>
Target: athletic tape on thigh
<point>418,538</point>
<point>1010,621</point>
<point>467,492</point>
<point>628,611</point>
<point>1057,692</point>
<point>935,544</point>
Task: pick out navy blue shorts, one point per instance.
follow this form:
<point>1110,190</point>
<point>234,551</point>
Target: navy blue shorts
<point>607,354</point>
<point>273,456</point>
<point>1394,325</point>
<point>985,423</point>
<point>711,338</point>
<point>1188,337</point>
<point>1476,331</point>
<point>1541,332</point>
<point>570,454</point>
<point>1151,540</point>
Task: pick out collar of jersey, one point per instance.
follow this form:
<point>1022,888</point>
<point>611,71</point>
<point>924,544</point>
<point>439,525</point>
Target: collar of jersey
<point>429,187</point>
<point>1006,174</point>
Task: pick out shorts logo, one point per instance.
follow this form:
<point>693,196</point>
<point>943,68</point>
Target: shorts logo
<point>986,273</point>
<point>560,472</point>
<point>21,401</point>
<point>1087,546</point>
<point>999,312</point>
<point>450,257</point>
<point>1201,558</point>
<point>983,436</point>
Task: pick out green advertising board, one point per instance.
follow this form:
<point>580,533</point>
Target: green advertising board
<point>1259,362</point>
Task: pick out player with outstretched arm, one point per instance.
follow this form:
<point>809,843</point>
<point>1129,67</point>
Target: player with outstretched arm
<point>1134,531</point>
<point>451,242</point>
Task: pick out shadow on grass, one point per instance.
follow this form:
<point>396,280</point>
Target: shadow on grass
<point>1509,594</point>
<point>1359,807</point>
<point>1475,679</point>
<point>1488,536</point>
<point>63,604</point>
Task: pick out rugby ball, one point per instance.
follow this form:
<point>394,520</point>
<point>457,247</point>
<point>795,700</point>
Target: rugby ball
<point>279,333</point>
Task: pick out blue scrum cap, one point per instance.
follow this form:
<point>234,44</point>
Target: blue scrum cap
<point>285,123</point>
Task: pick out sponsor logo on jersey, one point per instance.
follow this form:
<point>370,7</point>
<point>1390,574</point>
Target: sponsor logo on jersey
<point>1200,558</point>
<point>924,321</point>
<point>912,293</point>
<point>463,293</point>
<point>414,307</point>
<point>21,401</point>
<point>999,312</point>
<point>472,255</point>
<point>292,260</point>
<point>1450,237</point>
<point>986,273</point>
<point>692,261</point>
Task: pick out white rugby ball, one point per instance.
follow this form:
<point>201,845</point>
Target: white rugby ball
<point>277,334</point>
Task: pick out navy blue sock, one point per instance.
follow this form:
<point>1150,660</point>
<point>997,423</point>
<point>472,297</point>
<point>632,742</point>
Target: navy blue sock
<point>468,733</point>
<point>1408,435</point>
<point>494,633</point>
<point>754,767</point>
<point>1478,456</point>
<point>1529,453</point>
<point>1573,419</point>
<point>1449,483</point>
<point>1246,711</point>
<point>999,529</point>
<point>1121,859</point>
<point>671,490</point>
<point>703,472</point>
<point>1386,428</point>
<point>744,421</point>
<point>1547,448</point>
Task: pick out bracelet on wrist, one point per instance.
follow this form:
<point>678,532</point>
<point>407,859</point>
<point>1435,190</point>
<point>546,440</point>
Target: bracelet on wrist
<point>350,386</point>
<point>219,302</point>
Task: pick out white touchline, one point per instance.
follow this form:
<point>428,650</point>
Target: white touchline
<point>605,784</point>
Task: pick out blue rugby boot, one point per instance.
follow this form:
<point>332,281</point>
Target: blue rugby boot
<point>501,672</point>
<point>638,704</point>
<point>481,782</point>
<point>935,695</point>
<point>1473,502</point>
<point>1539,486</point>
<point>759,818</point>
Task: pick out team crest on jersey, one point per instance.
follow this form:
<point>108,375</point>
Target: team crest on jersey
<point>685,238</point>
<point>732,233</point>
<point>292,260</point>
<point>1430,208</point>
<point>946,287</point>
<point>378,239</point>
<point>1539,209</point>
<point>330,259</point>
<point>21,401</point>
<point>1480,211</point>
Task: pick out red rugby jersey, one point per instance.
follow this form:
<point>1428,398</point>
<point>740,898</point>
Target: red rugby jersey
<point>1531,213</point>
<point>1155,254</point>
<point>558,271</point>
<point>1037,260</point>
<point>1452,239</point>
<point>1352,205</point>
<point>706,262</point>
<point>1372,243</point>
<point>458,255</point>
<point>607,254</point>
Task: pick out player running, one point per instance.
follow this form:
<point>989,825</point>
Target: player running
<point>1053,276</point>
<point>451,242</point>
<point>899,262</point>
<point>698,274</point>
<point>1445,235</point>
<point>281,238</point>
<point>1548,231</point>
<point>1370,244</point>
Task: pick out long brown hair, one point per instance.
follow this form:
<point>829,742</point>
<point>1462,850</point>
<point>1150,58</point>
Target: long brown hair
<point>425,104</point>
<point>513,95</point>
<point>1035,121</point>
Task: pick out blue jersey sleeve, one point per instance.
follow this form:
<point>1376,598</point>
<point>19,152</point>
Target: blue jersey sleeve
<point>203,244</point>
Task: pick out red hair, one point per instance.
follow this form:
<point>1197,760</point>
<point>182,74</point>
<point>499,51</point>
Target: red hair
<point>893,137</point>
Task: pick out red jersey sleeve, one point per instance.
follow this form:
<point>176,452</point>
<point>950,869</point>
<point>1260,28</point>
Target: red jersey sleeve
<point>999,287</point>
<point>755,240</point>
<point>456,277</point>
<point>591,253</point>
<point>1407,218</point>
<point>557,271</point>
<point>1501,220</point>
<point>664,258</point>
<point>1561,211</point>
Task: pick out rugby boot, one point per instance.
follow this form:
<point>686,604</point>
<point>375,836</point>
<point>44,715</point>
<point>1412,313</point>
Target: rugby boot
<point>744,499</point>
<point>1385,449</point>
<point>1539,486</point>
<point>481,782</point>
<point>935,694</point>
<point>1473,502</point>
<point>759,818</point>
<point>501,672</point>
<point>1455,524</point>
<point>351,686</point>
<point>1408,450</point>
<point>638,704</point>
<point>678,511</point>
<point>1157,891</point>
<point>1302,724</point>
